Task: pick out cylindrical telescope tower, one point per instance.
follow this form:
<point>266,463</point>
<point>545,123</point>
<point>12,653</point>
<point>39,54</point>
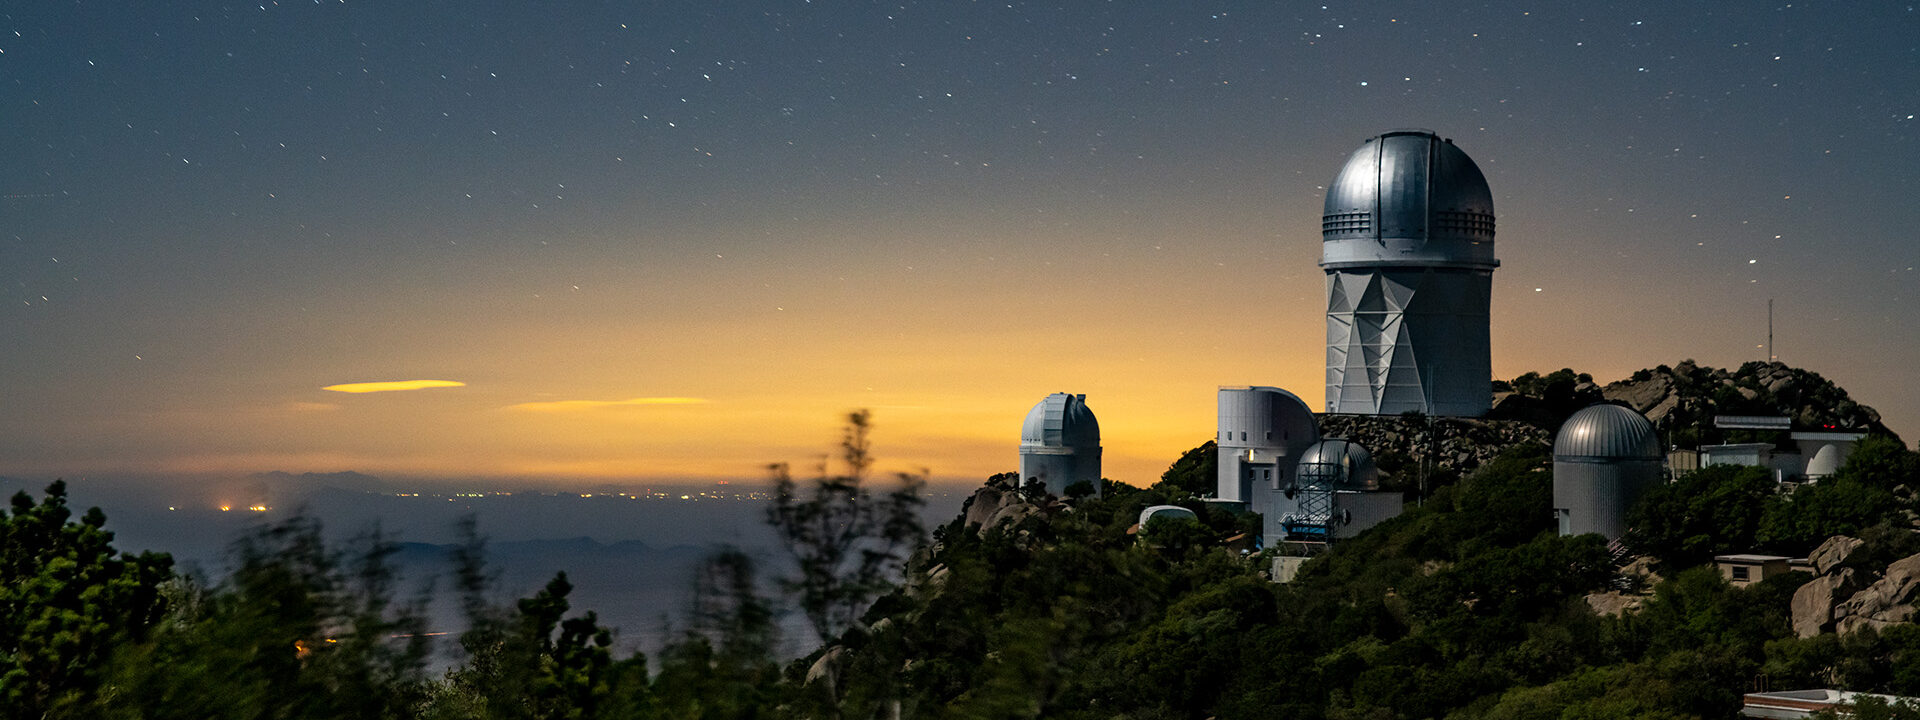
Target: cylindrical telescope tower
<point>1262,431</point>
<point>1407,243</point>
<point>1604,459</point>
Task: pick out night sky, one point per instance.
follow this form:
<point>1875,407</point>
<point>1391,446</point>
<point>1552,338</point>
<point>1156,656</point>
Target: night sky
<point>678,240</point>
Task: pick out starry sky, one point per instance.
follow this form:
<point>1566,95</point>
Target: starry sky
<point>637,241</point>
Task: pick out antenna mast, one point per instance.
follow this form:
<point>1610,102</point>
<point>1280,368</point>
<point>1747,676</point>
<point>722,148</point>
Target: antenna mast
<point>1770,356</point>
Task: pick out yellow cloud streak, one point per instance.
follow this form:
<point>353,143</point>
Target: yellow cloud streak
<point>391,386</point>
<point>566,405</point>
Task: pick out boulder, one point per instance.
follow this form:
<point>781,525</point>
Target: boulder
<point>988,502</point>
<point>827,668</point>
<point>1641,395</point>
<point>1662,409</point>
<point>1887,601</point>
<point>1813,603</point>
<point>1009,515</point>
<point>1614,603</point>
<point>1832,553</point>
<point>927,584</point>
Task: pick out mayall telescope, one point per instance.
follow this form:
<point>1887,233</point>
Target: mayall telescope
<point>1407,243</point>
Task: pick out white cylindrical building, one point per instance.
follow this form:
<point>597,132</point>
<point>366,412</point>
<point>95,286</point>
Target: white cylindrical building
<point>1604,458</point>
<point>1060,444</point>
<point>1407,244</point>
<point>1262,431</point>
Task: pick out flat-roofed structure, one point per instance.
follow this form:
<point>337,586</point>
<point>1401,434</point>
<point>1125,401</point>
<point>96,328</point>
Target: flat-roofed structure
<point>1795,704</point>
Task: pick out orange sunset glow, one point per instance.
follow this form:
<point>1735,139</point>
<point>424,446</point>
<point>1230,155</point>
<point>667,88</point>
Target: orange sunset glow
<point>609,260</point>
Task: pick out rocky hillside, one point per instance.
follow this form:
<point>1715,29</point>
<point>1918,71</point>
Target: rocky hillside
<point>1683,399</point>
<point>1690,394</point>
<point>1402,445</point>
<point>1847,595</point>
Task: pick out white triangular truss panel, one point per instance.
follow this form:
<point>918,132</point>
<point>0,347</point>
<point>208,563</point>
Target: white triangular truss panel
<point>1408,339</point>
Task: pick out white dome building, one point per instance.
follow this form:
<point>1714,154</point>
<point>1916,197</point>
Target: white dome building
<point>1060,444</point>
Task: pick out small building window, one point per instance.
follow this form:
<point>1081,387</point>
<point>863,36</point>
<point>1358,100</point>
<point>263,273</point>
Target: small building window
<point>1269,434</point>
<point>1739,573</point>
<point>1243,436</point>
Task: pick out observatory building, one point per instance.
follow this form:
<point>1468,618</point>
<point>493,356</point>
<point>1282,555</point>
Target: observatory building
<point>1335,495</point>
<point>1408,249</point>
<point>1262,433</point>
<point>1273,461</point>
<point>1060,444</point>
<point>1604,459</point>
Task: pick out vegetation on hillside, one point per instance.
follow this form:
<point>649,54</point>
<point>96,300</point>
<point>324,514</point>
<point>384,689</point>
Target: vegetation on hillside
<point>1467,605</point>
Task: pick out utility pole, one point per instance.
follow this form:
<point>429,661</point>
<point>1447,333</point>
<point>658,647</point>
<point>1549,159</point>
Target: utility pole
<point>1770,356</point>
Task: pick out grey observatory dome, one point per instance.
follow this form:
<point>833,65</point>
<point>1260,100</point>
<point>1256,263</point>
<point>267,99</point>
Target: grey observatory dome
<point>1060,445</point>
<point>1605,458</point>
<point>1341,464</point>
<point>1606,432</point>
<point>1408,197</point>
<point>1061,420</point>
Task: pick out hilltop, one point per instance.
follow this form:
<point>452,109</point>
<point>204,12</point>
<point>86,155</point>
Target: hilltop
<point>1467,605</point>
<point>1680,400</point>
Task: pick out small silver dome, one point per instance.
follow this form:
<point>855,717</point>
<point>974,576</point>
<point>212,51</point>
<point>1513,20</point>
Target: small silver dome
<point>1607,432</point>
<point>1341,464</point>
<point>1062,420</point>
<point>1408,197</point>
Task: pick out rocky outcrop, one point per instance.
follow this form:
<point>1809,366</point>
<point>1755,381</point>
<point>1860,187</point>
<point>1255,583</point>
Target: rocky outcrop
<point>1690,394</point>
<point>1813,603</point>
<point>827,668</point>
<point>999,504</point>
<point>1832,553</point>
<point>1615,603</point>
<point>1842,598</point>
<point>1631,589</point>
<point>989,501</point>
<point>1643,396</point>
<point>1458,444</point>
<point>1888,601</point>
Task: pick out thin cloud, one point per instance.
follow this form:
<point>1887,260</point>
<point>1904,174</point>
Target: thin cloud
<point>393,385</point>
<point>571,405</point>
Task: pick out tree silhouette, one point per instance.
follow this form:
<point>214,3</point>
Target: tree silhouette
<point>846,540</point>
<point>66,599</point>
